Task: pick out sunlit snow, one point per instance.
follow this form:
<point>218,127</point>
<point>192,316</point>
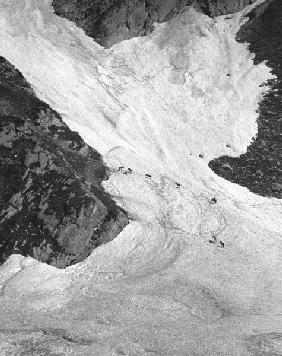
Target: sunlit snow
<point>153,104</point>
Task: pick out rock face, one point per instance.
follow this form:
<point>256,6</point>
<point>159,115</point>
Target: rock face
<point>52,204</point>
<point>112,21</point>
<point>223,7</point>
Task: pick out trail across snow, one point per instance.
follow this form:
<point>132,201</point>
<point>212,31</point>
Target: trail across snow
<point>153,104</point>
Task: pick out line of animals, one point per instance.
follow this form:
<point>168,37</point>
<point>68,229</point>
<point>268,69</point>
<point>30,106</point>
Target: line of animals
<point>148,176</point>
<point>213,240</point>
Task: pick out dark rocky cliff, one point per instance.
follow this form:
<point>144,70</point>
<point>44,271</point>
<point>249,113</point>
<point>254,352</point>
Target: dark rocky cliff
<point>52,204</point>
<point>112,21</point>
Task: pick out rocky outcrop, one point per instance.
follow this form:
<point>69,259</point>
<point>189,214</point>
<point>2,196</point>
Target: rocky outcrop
<point>52,204</point>
<point>112,21</point>
<point>223,7</point>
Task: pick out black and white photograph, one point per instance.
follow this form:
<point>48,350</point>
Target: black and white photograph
<point>141,177</point>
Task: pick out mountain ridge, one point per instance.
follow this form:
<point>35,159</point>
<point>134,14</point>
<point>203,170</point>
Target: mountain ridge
<point>112,21</point>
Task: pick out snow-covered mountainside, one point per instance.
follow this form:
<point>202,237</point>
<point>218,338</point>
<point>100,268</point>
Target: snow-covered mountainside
<point>197,271</point>
<point>260,168</point>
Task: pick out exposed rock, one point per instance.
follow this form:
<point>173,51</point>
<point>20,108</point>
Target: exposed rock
<point>223,7</point>
<point>52,205</point>
<point>112,21</point>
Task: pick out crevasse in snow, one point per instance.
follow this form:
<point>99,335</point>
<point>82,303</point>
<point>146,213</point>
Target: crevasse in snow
<point>153,104</point>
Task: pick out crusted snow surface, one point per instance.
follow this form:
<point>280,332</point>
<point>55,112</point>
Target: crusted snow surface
<point>162,105</point>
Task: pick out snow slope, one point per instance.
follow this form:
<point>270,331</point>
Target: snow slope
<point>153,104</point>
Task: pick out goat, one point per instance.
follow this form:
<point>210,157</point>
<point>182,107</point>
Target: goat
<point>213,201</point>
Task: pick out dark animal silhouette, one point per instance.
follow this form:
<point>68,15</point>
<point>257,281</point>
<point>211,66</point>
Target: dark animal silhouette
<point>212,240</point>
<point>148,176</point>
<point>213,200</point>
<point>177,185</point>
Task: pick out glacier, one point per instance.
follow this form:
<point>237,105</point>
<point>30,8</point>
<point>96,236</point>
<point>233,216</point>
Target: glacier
<point>163,105</point>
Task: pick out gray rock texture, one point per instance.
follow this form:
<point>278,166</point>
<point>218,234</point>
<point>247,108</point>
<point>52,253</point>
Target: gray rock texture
<point>52,204</point>
<point>223,7</point>
<point>112,21</point>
